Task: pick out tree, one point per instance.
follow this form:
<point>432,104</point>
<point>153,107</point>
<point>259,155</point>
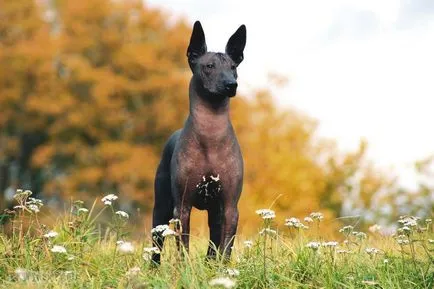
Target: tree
<point>91,89</point>
<point>82,94</point>
<point>25,74</point>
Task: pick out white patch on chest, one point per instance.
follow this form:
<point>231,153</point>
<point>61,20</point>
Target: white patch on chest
<point>209,187</point>
<point>215,179</point>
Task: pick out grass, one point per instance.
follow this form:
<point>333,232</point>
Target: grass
<point>77,253</point>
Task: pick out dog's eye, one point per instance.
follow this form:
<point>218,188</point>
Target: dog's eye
<point>210,65</point>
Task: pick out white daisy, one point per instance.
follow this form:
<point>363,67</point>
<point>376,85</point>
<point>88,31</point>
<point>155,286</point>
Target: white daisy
<point>21,274</point>
<point>313,245</point>
<point>126,248</point>
<point>147,252</point>
<point>83,210</point>
<point>308,220</point>
<point>154,250</point>
<point>232,272</point>
<point>122,214</point>
<point>58,249</point>
<point>160,229</point>
<point>268,231</point>
<point>266,214</point>
<point>317,216</point>
<point>372,251</point>
<point>222,281</point>
<point>168,232</point>
<point>107,200</point>
<point>294,222</point>
<point>346,229</point>
<point>330,244</point>
<point>51,234</point>
<point>375,228</point>
<point>34,208</point>
<point>248,244</point>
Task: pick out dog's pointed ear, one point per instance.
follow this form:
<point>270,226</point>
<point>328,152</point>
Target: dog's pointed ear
<point>236,44</point>
<point>197,46</point>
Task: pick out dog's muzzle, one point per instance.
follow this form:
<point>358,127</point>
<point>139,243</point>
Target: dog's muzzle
<point>231,88</point>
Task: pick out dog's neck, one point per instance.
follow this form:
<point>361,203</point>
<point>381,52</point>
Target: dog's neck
<point>208,118</point>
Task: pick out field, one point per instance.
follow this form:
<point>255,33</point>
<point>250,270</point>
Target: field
<point>77,253</point>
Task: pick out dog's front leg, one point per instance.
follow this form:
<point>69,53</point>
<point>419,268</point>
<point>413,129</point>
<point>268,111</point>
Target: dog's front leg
<point>229,230</point>
<point>185,226</point>
<point>182,212</point>
<point>215,222</point>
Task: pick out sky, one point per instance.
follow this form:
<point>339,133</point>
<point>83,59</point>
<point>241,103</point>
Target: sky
<point>363,69</point>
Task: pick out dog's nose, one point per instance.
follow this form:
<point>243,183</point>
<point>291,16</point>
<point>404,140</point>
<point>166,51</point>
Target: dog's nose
<point>231,85</point>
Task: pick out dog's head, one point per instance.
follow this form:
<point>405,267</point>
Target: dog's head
<point>216,73</point>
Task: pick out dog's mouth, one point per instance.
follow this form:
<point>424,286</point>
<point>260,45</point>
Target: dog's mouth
<point>228,92</point>
<point>220,94</point>
<point>232,95</point>
<point>232,92</point>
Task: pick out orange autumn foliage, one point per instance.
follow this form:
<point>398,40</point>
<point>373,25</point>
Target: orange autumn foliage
<point>91,89</point>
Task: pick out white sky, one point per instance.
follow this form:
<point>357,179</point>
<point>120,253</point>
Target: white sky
<point>362,68</point>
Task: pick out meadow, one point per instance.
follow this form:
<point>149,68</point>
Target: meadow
<point>76,252</point>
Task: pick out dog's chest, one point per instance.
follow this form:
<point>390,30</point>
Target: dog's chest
<point>207,190</point>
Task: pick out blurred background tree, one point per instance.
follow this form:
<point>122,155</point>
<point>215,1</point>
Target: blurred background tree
<point>26,76</point>
<point>82,92</point>
<point>91,89</point>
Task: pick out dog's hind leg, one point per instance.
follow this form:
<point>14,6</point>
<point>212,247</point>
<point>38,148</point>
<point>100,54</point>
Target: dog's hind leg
<point>163,203</point>
<point>163,209</point>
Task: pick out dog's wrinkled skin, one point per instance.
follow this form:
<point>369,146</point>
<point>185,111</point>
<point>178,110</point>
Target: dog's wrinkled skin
<point>202,165</point>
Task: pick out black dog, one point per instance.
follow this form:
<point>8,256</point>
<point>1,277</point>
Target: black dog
<point>202,165</point>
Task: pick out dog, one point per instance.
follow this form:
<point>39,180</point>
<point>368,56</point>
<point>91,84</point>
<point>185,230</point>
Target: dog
<point>202,164</point>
